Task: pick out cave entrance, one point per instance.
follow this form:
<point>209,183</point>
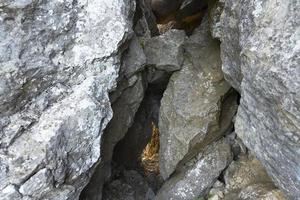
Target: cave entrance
<point>136,156</point>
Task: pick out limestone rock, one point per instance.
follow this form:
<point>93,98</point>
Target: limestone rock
<point>134,59</point>
<point>165,52</point>
<point>191,105</point>
<point>58,61</point>
<point>197,179</point>
<point>125,100</point>
<point>260,54</point>
<point>246,171</point>
<point>261,192</point>
<point>246,179</point>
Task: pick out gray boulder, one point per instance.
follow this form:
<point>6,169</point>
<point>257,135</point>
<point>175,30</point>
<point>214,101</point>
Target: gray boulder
<point>125,100</point>
<point>58,61</point>
<point>191,105</point>
<point>260,54</point>
<point>165,52</point>
<point>247,179</point>
<point>200,176</point>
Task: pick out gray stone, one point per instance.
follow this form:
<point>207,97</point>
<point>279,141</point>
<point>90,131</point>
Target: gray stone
<point>260,54</point>
<point>125,100</point>
<point>260,192</point>
<point>197,179</point>
<point>134,60</point>
<point>58,61</point>
<point>246,171</point>
<point>165,52</point>
<point>191,105</point>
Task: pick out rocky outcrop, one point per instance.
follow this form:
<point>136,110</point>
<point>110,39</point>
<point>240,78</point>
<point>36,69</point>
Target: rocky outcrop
<point>260,56</point>
<point>125,100</point>
<point>244,179</point>
<point>190,113</point>
<point>201,174</point>
<point>165,52</point>
<point>58,61</point>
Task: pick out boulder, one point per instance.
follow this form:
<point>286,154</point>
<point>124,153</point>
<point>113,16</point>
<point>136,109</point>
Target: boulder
<point>165,52</point>
<point>243,172</point>
<point>190,112</point>
<point>260,56</point>
<point>125,100</point>
<point>58,61</point>
<point>200,174</point>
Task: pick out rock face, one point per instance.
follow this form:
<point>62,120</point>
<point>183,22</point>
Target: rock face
<point>165,52</point>
<point>125,100</point>
<point>58,61</point>
<point>191,106</point>
<point>260,55</point>
<point>247,179</point>
<point>197,179</point>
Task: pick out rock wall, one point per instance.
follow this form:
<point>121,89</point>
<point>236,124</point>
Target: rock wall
<point>260,56</point>
<point>58,61</point>
<point>73,79</point>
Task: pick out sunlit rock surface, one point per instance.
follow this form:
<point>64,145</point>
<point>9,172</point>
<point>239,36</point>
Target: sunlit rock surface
<point>260,55</point>
<point>200,174</point>
<point>191,105</point>
<point>58,61</point>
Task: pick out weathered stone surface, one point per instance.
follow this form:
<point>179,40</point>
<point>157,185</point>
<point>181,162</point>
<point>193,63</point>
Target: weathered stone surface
<point>58,61</point>
<point>260,54</point>
<point>246,179</point>
<point>126,100</point>
<point>191,105</point>
<point>197,179</point>
<point>261,192</point>
<point>165,52</point>
<point>134,60</point>
<point>246,171</point>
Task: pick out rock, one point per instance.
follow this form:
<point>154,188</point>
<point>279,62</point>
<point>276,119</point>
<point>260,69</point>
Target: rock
<point>191,105</point>
<point>126,101</point>
<point>261,192</point>
<point>165,52</point>
<point>246,171</point>
<point>246,179</point>
<point>217,191</point>
<point>131,186</point>
<point>260,55</point>
<point>145,26</point>
<point>58,61</point>
<point>197,179</point>
<point>134,60</point>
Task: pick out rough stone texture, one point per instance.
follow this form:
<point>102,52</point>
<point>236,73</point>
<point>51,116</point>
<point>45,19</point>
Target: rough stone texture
<point>258,191</point>
<point>260,54</point>
<point>245,179</point>
<point>191,106</point>
<point>125,103</point>
<point>58,61</point>
<point>246,171</point>
<point>130,186</point>
<point>165,52</point>
<point>197,179</point>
